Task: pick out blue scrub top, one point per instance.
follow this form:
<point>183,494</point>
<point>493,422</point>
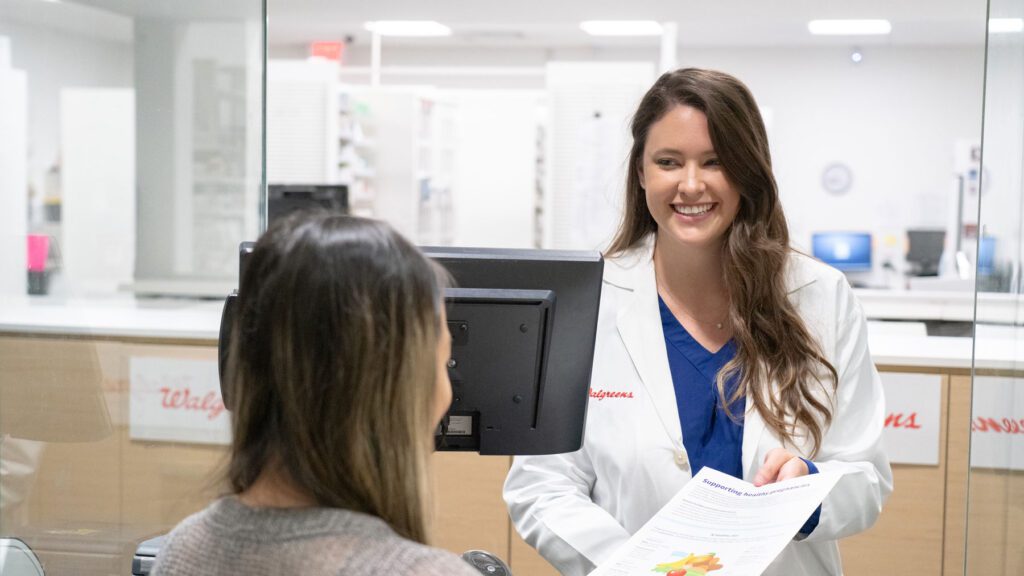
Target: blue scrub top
<point>710,436</point>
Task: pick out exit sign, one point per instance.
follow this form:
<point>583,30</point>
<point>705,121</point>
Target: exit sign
<point>326,50</point>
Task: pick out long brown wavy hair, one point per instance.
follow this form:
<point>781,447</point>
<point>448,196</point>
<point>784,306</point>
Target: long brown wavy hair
<point>332,367</point>
<point>778,363</point>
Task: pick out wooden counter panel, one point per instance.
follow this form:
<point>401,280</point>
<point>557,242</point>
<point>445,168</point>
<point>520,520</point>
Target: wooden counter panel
<point>959,416</point>
<point>470,514</point>
<point>995,541</point>
<point>908,537</point>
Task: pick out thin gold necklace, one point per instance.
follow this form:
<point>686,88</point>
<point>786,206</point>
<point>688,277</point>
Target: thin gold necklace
<point>667,293</point>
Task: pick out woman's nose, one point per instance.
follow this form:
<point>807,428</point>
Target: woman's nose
<point>690,181</point>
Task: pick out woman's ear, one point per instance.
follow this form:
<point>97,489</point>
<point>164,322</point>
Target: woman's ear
<point>640,174</point>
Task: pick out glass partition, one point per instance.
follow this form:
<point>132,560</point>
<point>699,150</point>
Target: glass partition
<point>132,163</point>
<point>995,498</point>
<point>131,166</point>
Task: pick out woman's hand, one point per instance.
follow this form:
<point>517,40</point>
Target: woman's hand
<point>780,464</point>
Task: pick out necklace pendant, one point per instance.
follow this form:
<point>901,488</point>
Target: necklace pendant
<point>719,325</point>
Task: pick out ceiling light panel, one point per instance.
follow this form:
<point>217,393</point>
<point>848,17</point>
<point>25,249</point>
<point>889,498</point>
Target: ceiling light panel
<point>408,28</point>
<point>621,27</point>
<point>849,27</point>
<point>1005,25</point>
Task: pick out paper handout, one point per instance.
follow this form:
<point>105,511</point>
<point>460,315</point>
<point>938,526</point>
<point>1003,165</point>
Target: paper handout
<point>718,525</point>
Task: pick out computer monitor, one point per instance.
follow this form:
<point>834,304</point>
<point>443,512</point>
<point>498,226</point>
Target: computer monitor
<point>924,250</point>
<point>227,317</point>
<point>523,324</point>
<point>846,251</point>
<point>283,199</point>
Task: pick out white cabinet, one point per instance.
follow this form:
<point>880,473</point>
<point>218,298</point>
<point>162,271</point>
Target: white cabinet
<point>13,176</point>
<point>302,126</point>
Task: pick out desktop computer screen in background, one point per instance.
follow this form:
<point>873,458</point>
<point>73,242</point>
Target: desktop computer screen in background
<point>283,199</point>
<point>986,256</point>
<point>846,251</point>
<point>924,250</point>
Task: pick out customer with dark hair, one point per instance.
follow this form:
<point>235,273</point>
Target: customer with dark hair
<point>337,381</point>
<point>731,350</point>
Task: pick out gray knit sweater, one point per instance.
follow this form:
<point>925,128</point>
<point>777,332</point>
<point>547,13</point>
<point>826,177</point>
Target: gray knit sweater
<point>229,538</point>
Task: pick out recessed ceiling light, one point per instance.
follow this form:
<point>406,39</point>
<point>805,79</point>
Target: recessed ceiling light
<point>1005,25</point>
<point>408,28</point>
<point>849,27</point>
<point>621,27</point>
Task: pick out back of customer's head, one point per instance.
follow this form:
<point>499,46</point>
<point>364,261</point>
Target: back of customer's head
<point>333,366</point>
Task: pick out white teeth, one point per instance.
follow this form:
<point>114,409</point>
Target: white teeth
<point>692,210</point>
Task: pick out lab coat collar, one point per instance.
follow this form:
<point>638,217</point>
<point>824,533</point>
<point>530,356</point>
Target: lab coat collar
<point>639,326</point>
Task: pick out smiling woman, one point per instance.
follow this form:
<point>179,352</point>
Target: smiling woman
<point>752,358</point>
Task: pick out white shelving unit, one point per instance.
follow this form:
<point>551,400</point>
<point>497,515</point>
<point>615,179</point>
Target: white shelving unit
<point>355,151</point>
<point>411,183</point>
<point>318,132</point>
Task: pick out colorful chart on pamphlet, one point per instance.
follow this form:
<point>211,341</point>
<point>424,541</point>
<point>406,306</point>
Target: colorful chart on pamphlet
<point>689,565</point>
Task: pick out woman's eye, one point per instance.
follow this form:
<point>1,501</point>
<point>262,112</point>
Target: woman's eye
<point>664,162</point>
<point>712,162</point>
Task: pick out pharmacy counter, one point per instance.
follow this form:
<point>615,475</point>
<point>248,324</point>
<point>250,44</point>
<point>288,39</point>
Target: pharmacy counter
<point>92,470</point>
<point>197,321</point>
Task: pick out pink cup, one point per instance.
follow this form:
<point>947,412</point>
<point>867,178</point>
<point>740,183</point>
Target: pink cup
<point>38,248</point>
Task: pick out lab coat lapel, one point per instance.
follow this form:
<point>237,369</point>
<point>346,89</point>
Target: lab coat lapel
<point>639,326</point>
<point>753,428</point>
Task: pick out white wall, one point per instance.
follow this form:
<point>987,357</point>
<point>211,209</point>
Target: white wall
<point>893,119</point>
<point>591,106</point>
<point>53,60</point>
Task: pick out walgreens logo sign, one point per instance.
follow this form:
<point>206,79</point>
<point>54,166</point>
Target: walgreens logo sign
<point>912,417</point>
<point>177,400</point>
<point>997,425</point>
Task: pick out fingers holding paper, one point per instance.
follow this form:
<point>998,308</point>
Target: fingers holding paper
<point>780,464</point>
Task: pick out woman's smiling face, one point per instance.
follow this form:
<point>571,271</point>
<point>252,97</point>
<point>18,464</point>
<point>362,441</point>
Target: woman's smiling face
<point>687,192</point>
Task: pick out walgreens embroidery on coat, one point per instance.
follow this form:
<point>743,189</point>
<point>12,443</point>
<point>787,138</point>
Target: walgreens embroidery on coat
<point>602,394</point>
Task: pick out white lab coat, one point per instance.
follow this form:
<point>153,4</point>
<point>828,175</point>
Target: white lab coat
<point>577,508</point>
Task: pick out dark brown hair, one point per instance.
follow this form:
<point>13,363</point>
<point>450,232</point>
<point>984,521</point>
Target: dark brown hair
<point>778,362</point>
<point>332,366</point>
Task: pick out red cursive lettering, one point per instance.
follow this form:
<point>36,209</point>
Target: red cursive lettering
<point>184,399</point>
<point>1000,426</point>
<point>899,420</point>
<point>602,394</point>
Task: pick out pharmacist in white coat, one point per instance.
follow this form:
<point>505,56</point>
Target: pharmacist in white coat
<point>717,346</point>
